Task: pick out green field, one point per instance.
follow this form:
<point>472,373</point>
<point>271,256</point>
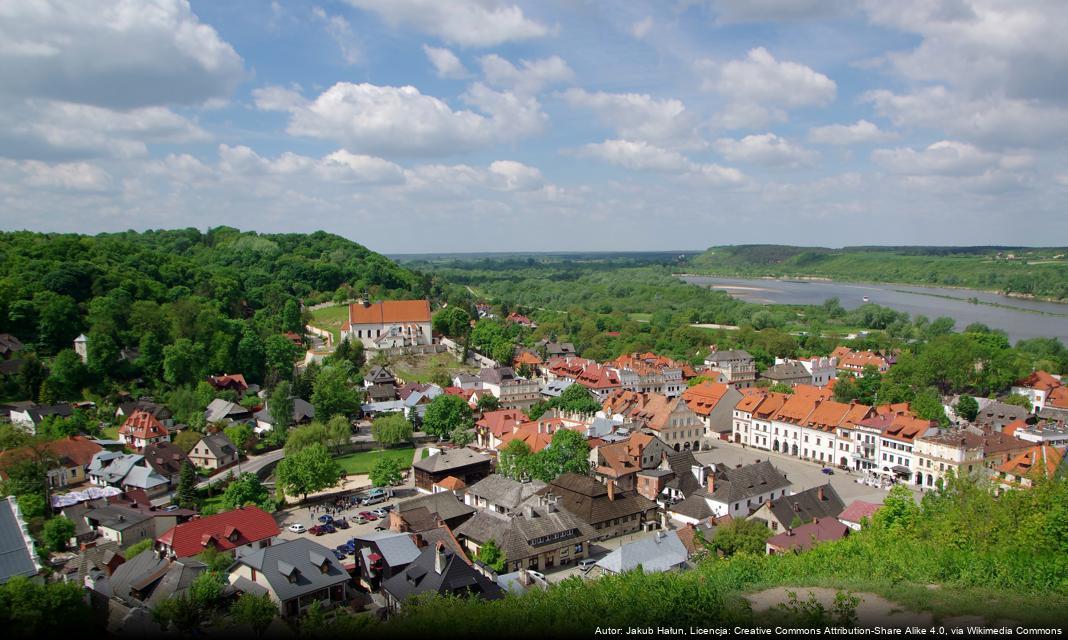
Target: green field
<point>359,463</point>
<point>331,319</point>
<point>110,433</point>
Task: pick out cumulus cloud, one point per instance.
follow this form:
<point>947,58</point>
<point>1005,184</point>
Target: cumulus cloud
<point>947,158</point>
<point>510,175</point>
<point>119,55</point>
<point>62,176</point>
<point>765,149</point>
<point>468,23</point>
<point>529,77</point>
<point>635,154</point>
<point>860,132</point>
<point>402,121</point>
<point>761,79</point>
<point>445,62</point>
<point>636,116</point>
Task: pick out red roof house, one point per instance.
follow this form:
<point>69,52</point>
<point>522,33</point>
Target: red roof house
<point>235,532</point>
<point>142,429</point>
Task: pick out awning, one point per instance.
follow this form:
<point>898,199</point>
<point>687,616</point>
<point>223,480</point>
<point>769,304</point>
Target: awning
<point>902,470</point>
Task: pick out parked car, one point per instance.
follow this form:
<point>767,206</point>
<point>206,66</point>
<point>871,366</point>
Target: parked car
<point>537,574</point>
<point>338,554</point>
<point>172,507</point>
<point>380,512</point>
<point>375,499</point>
<point>320,529</point>
<point>344,549</point>
<point>296,527</point>
<point>828,471</point>
<point>367,515</point>
<point>341,523</point>
<point>326,518</point>
<point>587,564</point>
<point>359,520</point>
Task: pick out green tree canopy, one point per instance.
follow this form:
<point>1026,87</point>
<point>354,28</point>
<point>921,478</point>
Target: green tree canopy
<point>309,470</point>
<point>391,429</point>
<point>386,472</point>
<point>446,413</point>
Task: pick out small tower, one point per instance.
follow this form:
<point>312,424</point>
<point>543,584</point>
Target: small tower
<point>81,344</point>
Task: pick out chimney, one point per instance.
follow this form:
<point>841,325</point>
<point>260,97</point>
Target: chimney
<point>711,483</point>
<point>611,490</point>
<point>439,558</point>
<point>528,511</point>
<point>419,541</point>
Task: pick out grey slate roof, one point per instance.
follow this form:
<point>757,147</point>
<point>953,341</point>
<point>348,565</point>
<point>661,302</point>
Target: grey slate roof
<point>219,445</point>
<point>165,458</point>
<point>144,478</point>
<point>733,485</point>
<point>807,505</point>
<point>301,557</point>
<point>496,375</point>
<point>456,577</point>
<point>519,535</point>
<point>113,467</point>
<point>786,371</point>
<point>504,491</point>
<point>396,548</point>
<point>587,499</point>
<point>92,559</point>
<point>302,410</point>
<point>17,554</point>
<point>154,578</point>
<point>445,504</point>
<point>654,554</point>
<point>682,464</point>
<point>379,375</point>
<point>116,518</point>
<point>729,354</point>
<point>450,459</point>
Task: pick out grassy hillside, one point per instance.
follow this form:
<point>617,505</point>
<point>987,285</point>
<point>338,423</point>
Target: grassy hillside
<point>1041,272</point>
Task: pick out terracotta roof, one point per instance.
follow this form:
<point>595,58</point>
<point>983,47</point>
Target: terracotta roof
<point>143,425</point>
<point>857,360</point>
<point>452,483</point>
<point>623,457</point>
<point>247,524</point>
<point>528,358</point>
<point>229,380</point>
<point>811,391</point>
<point>1058,398</point>
<point>858,510</point>
<point>1037,462</point>
<point>72,450</point>
<point>1040,381</point>
<point>502,421</point>
<point>704,397</point>
<point>796,409</point>
<point>388,311</point>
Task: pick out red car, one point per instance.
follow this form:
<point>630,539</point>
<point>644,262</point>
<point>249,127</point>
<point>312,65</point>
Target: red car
<point>367,515</point>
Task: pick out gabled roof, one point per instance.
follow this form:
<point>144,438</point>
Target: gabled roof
<point>455,577</point>
<point>219,445</point>
<point>588,499</point>
<point>250,524</point>
<point>1039,381</point>
<point>296,567</point>
<point>229,381</point>
<point>444,505</point>
<point>17,554</point>
<point>816,502</point>
<point>9,344</point>
<point>1036,463</point>
<point>742,483</point>
<point>703,398</point>
<point>502,421</point>
<point>72,450</point>
<point>521,535</point>
<point>449,459</point>
<point>396,548</point>
<point>660,552</point>
<point>389,311</point>
<point>858,510</point>
<point>379,375</point>
<point>502,490</point>
<point>809,535</point>
<point>786,371</point>
<point>143,426</point>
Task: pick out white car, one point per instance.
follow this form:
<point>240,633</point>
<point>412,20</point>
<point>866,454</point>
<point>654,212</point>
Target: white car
<point>537,574</point>
<point>381,513</point>
<point>296,528</point>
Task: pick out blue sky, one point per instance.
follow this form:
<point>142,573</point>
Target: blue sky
<point>497,125</point>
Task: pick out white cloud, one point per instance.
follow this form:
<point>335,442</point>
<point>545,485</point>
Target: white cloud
<point>641,28</point>
<point>861,132</point>
<point>403,121</point>
<point>337,167</point>
<point>53,130</point>
<point>990,120</point>
<point>760,79</point>
<point>946,158</point>
<point>445,62</point>
<point>765,149</point>
<point>637,116</point>
<point>65,176</point>
<point>515,176</point>
<point>531,75</point>
<point>983,47</point>
<point>118,55</point>
<point>469,23</point>
<point>636,155</point>
<point>339,29</point>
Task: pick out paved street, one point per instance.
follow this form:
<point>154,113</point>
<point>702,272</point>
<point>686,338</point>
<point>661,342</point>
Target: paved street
<point>252,464</point>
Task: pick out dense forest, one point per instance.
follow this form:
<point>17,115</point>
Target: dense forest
<point>1040,272</point>
<point>170,307</point>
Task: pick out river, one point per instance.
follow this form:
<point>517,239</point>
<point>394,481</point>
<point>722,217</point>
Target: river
<point>1025,318</point>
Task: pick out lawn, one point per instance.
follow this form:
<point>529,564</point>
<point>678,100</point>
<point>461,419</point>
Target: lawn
<point>331,319</point>
<point>359,463</point>
<point>110,433</point>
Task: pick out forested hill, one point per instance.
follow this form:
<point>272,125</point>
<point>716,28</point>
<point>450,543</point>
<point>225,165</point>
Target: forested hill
<point>1041,272</point>
<point>205,292</point>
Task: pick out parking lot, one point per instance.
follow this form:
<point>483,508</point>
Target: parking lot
<point>308,516</point>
